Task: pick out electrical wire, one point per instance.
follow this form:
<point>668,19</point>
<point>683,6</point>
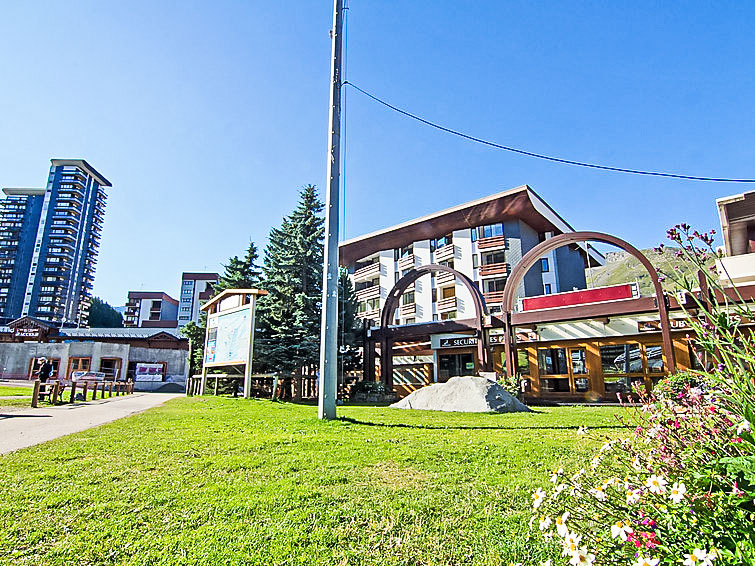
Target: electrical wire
<point>540,155</point>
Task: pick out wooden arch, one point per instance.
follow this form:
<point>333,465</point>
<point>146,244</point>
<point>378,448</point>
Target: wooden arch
<point>531,257</point>
<point>392,303</point>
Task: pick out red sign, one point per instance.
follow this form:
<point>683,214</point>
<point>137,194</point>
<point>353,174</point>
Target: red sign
<point>582,297</point>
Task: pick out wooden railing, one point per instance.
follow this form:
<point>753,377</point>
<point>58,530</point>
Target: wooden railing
<point>53,391</point>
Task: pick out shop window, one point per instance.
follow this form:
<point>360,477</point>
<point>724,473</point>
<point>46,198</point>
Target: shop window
<point>35,364</point>
<point>111,367</point>
<point>620,359</point>
<point>578,365</point>
<point>522,362</point>
<point>552,361</point>
<point>700,360</point>
<point>555,385</point>
<point>654,355</point>
<point>78,364</point>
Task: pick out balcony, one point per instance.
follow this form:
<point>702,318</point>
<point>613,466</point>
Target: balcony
<point>494,269</point>
<point>366,273</point>
<point>443,279</point>
<point>445,253</point>
<point>446,305</point>
<point>408,310</point>
<point>737,269</point>
<point>371,292</point>
<point>373,314</point>
<point>407,262</point>
<point>493,297</point>
<point>491,243</point>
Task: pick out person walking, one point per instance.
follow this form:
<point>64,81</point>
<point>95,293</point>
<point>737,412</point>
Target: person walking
<point>45,371</point>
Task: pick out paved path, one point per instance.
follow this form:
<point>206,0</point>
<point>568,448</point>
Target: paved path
<point>20,428</point>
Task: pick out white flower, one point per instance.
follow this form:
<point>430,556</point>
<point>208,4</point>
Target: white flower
<point>581,431</point>
<point>696,558</point>
<point>633,496</point>
<point>559,488</point>
<point>571,543</point>
<point>582,556</point>
<point>636,463</point>
<point>546,563</point>
<point>621,529</point>
<point>538,497</point>
<point>657,484</point>
<point>545,523</point>
<point>642,561</point>
<point>595,462</point>
<point>561,527</point>
<point>606,447</point>
<point>744,426</point>
<point>677,492</point>
<point>556,474</point>
<point>577,475</point>
<point>599,493</point>
<point>575,491</point>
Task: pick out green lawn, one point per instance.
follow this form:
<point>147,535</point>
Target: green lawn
<point>224,481</point>
<point>7,390</point>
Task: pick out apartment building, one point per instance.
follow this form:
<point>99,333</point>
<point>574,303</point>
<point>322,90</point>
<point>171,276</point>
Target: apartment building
<point>150,309</point>
<point>737,214</point>
<point>482,239</point>
<point>196,288</point>
<point>49,240</point>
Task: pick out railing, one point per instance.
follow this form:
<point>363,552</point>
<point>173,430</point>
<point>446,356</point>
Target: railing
<point>494,269</point>
<point>371,292</point>
<point>444,278</point>
<point>373,314</point>
<point>493,297</point>
<point>407,262</point>
<point>445,305</point>
<point>446,252</point>
<point>492,242</point>
<point>367,272</point>
<point>408,310</point>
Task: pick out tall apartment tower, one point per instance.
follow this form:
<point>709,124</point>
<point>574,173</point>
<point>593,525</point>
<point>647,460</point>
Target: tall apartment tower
<point>196,288</point>
<point>49,240</point>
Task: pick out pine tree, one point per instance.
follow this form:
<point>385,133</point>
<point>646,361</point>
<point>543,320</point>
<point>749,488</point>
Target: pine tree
<point>240,273</point>
<point>350,329</point>
<point>289,316</point>
<point>102,315</point>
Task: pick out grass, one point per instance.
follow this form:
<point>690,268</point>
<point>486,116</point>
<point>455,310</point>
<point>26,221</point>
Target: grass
<point>6,390</point>
<point>224,481</point>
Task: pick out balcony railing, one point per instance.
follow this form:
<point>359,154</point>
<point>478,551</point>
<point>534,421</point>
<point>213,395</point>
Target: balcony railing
<point>407,262</point>
<point>493,297</point>
<point>494,269</point>
<point>490,243</point>
<point>443,278</point>
<point>373,314</point>
<point>408,310</point>
<point>446,305</point>
<point>445,253</point>
<point>371,292</point>
<point>368,272</point>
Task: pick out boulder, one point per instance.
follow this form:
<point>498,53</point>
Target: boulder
<point>465,394</point>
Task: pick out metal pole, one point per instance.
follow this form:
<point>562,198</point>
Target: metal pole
<point>326,405</point>
<point>250,353</point>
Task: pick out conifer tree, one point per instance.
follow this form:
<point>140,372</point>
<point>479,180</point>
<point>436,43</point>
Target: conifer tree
<point>350,329</point>
<point>289,329</point>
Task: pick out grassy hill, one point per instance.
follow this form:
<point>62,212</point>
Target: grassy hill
<point>620,267</point>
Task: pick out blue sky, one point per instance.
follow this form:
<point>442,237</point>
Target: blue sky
<point>208,118</point>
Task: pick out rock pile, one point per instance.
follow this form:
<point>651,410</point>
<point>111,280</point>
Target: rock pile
<point>466,394</point>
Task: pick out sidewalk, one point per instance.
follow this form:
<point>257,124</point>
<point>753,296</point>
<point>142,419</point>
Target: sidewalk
<point>20,428</point>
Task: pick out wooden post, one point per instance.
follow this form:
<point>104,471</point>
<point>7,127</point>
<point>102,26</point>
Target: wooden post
<point>110,389</point>
<point>72,398</point>
<point>35,394</point>
<point>55,392</point>
<point>86,386</point>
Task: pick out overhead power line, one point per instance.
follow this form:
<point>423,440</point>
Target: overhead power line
<point>540,155</point>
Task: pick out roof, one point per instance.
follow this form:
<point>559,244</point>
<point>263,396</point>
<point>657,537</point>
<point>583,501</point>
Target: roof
<point>82,164</point>
<point>230,292</point>
<point>192,276</point>
<point>18,191</point>
<point>126,332</point>
<point>520,203</point>
<point>36,321</point>
<point>152,295</point>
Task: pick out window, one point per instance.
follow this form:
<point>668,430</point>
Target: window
<point>435,295</point>
<point>406,251</point>
<point>435,318</point>
<point>618,361</point>
<point>493,285</point>
<point>490,231</point>
<point>547,288</point>
<point>407,298</point>
<point>111,367</point>
<point>544,267</point>
<point>440,242</point>
<point>654,355</point>
<point>474,261</point>
<point>185,309</point>
<point>78,364</point>
<point>410,321</point>
<point>35,365</point>
<point>448,315</point>
<point>397,277</point>
<point>495,257</point>
<point>552,361</point>
<point>522,362</point>
<point>448,292</point>
<point>474,234</point>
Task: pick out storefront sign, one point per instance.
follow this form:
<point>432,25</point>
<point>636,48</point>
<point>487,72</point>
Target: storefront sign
<point>458,342</point>
<point>27,332</point>
<point>655,325</point>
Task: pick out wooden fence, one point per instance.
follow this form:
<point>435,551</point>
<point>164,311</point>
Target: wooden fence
<point>53,391</point>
